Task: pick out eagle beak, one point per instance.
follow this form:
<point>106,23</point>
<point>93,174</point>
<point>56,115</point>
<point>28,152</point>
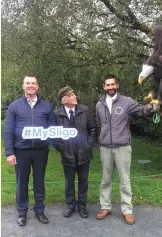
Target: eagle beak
<point>140,80</point>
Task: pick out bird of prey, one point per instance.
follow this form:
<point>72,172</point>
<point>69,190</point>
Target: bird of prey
<point>154,67</point>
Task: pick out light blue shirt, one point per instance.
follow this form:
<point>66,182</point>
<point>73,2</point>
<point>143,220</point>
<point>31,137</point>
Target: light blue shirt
<point>32,102</point>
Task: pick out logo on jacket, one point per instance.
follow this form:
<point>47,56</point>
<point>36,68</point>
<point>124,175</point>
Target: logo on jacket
<point>118,110</point>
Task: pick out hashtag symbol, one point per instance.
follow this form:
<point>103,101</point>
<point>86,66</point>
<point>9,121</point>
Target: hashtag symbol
<point>27,133</point>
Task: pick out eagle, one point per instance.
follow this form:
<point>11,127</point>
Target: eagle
<point>154,67</point>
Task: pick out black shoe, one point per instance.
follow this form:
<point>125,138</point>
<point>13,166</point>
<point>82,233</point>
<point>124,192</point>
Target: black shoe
<point>42,218</point>
<point>83,212</point>
<point>21,220</point>
<point>68,212</point>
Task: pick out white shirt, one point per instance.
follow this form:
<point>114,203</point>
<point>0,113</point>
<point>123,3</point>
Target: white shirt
<point>67,111</point>
<point>110,100</point>
<point>32,102</point>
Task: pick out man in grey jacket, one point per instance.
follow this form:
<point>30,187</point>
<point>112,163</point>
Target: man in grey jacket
<point>112,114</point>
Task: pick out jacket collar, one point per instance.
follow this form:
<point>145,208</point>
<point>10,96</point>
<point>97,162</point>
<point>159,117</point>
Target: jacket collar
<point>26,101</point>
<point>62,112</point>
<point>103,98</point>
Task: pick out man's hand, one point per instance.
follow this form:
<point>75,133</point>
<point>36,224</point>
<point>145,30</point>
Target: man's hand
<point>11,160</point>
<point>155,105</point>
<point>148,110</point>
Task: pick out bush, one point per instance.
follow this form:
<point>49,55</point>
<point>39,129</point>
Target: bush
<point>148,128</point>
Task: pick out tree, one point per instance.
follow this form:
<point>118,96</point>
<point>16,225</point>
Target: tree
<point>77,42</point>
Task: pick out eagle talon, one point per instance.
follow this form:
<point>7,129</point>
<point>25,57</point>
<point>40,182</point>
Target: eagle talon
<point>157,102</point>
<point>149,96</point>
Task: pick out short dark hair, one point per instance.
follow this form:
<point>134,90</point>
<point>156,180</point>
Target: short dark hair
<point>31,75</point>
<point>111,76</point>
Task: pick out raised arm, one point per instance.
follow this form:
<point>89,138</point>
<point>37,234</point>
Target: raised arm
<point>143,111</point>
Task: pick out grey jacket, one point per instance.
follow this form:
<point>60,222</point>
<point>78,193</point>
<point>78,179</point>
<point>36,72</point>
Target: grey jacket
<point>114,128</point>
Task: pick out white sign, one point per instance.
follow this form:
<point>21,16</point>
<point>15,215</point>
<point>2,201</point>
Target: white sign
<point>51,132</point>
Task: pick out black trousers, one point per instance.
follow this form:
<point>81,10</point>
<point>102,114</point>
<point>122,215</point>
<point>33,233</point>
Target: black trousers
<point>82,172</point>
<point>37,159</point>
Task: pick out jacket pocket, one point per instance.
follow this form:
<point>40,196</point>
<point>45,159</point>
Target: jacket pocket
<point>128,148</point>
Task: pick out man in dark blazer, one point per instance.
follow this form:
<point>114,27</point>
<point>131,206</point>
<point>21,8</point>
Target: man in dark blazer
<point>76,152</point>
<point>28,111</point>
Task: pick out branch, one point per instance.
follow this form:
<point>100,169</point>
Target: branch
<point>139,41</point>
<point>130,19</point>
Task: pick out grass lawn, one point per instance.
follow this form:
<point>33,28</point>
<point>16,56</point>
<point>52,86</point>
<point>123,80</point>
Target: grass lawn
<point>146,188</point>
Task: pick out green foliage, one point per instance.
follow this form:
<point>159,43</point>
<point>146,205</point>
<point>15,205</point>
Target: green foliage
<point>148,128</point>
<point>75,43</point>
<point>11,86</point>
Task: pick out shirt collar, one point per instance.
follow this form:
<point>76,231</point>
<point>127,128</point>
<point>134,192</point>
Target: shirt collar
<point>111,97</point>
<point>34,100</point>
<point>67,110</point>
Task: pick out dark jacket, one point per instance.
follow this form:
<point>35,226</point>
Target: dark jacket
<point>114,129</point>
<point>84,123</point>
<point>20,115</point>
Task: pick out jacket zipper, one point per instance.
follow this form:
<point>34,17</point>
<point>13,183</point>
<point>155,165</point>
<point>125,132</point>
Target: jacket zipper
<point>32,125</point>
<point>110,131</point>
<point>109,117</point>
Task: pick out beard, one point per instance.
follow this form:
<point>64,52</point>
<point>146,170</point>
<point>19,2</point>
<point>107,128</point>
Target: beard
<point>111,92</point>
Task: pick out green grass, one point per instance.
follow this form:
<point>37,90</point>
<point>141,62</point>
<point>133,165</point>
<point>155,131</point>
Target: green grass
<point>146,190</point>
